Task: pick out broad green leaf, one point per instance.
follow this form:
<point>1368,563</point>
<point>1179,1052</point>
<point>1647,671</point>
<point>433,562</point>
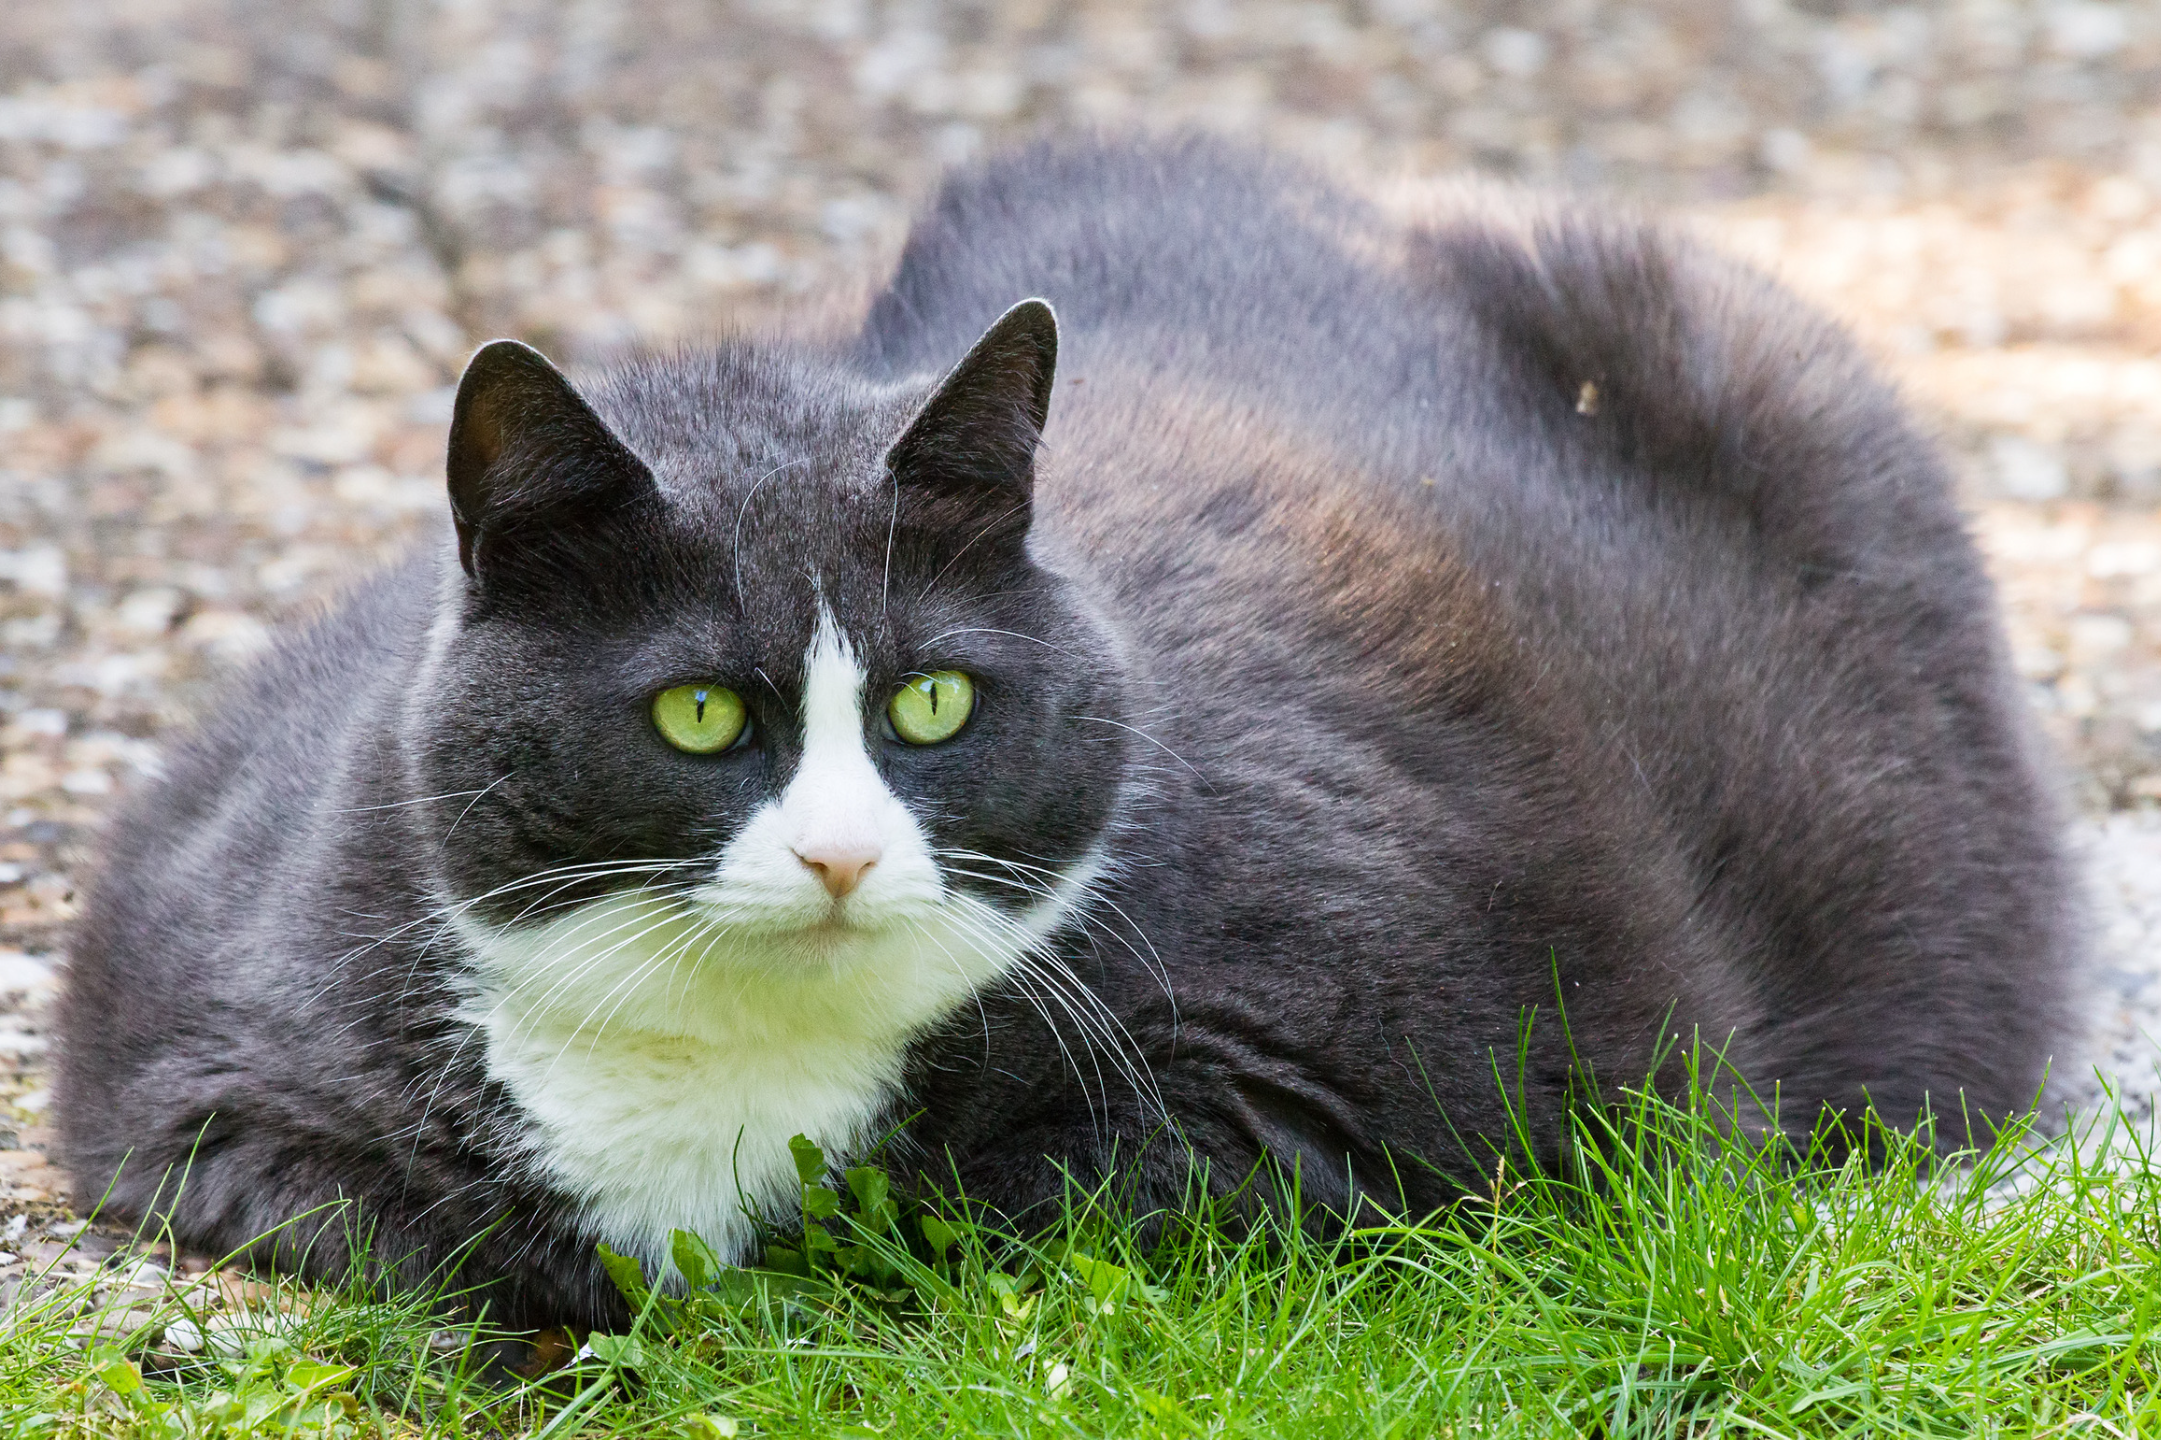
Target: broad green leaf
<point>619,1350</point>
<point>628,1276</point>
<point>121,1375</point>
<point>865,1263</point>
<point>941,1235</point>
<point>264,1352</point>
<point>306,1375</point>
<point>870,1186</point>
<point>743,1289</point>
<point>809,1159</point>
<point>1105,1281</point>
<point>785,1260</point>
<point>1163,1407</point>
<point>820,1203</point>
<point>694,1258</point>
<point>1010,1292</point>
<point>263,1406</point>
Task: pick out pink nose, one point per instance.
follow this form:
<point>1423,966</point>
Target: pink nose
<point>839,868</point>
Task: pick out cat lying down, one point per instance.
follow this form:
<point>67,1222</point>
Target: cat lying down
<point>1187,678</point>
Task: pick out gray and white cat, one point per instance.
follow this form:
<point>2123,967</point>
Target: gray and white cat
<point>1377,634</point>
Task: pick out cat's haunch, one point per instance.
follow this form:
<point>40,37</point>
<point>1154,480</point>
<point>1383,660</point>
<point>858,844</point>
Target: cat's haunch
<point>1210,671</point>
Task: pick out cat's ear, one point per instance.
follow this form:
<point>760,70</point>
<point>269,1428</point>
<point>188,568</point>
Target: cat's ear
<point>970,451</point>
<point>532,469</point>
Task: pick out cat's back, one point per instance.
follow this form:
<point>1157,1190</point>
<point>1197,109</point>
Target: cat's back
<point>1667,513</point>
<point>1173,254</point>
<point>1538,368</point>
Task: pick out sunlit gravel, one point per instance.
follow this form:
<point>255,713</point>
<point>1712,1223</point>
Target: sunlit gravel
<point>244,248</point>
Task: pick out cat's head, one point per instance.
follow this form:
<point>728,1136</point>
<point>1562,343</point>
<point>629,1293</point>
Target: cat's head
<point>753,641</point>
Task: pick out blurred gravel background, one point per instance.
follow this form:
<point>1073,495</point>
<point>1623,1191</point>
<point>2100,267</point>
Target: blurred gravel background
<point>244,248</point>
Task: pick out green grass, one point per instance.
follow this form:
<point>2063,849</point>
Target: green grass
<point>1670,1284</point>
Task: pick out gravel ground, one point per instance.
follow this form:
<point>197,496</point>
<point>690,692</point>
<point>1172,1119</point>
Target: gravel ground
<point>244,248</point>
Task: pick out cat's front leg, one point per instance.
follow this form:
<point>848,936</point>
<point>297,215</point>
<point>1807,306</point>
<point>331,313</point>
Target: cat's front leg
<point>1206,1135</point>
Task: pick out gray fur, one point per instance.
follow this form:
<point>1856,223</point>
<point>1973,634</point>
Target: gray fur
<point>1406,692</point>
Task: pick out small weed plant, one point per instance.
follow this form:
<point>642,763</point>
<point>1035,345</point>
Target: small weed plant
<point>1665,1280</point>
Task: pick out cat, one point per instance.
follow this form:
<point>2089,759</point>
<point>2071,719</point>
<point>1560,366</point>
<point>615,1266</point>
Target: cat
<point>1192,679</point>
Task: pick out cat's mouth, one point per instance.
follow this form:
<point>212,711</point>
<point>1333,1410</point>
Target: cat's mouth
<point>837,920</point>
<point>803,919</point>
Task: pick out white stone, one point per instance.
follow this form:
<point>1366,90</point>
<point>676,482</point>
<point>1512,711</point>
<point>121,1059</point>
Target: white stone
<point>22,974</point>
<point>2029,471</point>
<point>1519,54</point>
<point>2085,31</point>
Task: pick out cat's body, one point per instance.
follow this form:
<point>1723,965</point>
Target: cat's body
<point>1419,625</point>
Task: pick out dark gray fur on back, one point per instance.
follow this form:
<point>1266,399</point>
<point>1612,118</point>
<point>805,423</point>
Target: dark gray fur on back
<point>1406,690</point>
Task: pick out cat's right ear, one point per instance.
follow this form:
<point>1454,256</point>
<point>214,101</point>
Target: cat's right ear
<point>969,455</point>
<point>532,469</point>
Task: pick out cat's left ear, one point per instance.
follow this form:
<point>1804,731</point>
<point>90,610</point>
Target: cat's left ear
<point>533,471</point>
<point>970,451</point>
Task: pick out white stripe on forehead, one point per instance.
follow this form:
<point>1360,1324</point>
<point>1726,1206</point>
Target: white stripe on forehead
<point>837,802</point>
<point>832,691</point>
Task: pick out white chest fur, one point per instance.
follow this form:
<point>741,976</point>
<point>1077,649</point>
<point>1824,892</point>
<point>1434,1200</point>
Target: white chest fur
<point>664,1082</point>
<point>666,1047</point>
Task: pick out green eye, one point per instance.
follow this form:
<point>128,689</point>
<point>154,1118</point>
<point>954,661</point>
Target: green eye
<point>931,708</point>
<point>701,719</point>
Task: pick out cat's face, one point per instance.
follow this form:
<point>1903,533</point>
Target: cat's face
<point>759,659</point>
